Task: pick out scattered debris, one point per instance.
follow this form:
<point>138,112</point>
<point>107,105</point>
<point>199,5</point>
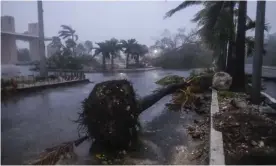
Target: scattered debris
<point>245,130</point>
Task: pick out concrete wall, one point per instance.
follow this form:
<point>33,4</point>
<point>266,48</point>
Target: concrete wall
<point>8,42</point>
<point>7,24</point>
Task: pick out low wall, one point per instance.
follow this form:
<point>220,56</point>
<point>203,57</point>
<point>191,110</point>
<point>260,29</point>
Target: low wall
<point>137,69</point>
<point>115,70</point>
<point>52,85</point>
<point>216,140</point>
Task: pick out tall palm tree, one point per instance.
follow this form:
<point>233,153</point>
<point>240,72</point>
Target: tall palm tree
<point>239,74</point>
<point>139,51</point>
<point>127,48</point>
<point>56,43</point>
<point>114,48</point>
<point>70,34</point>
<point>80,49</point>
<point>88,45</point>
<point>104,49</point>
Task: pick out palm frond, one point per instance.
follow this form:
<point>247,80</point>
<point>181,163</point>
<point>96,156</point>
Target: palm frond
<point>198,16</point>
<point>251,26</point>
<point>76,37</point>
<point>183,5</point>
<point>250,46</point>
<point>68,28</point>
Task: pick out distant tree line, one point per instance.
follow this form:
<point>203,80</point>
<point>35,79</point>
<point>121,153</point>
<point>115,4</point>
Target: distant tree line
<point>180,51</point>
<point>72,55</point>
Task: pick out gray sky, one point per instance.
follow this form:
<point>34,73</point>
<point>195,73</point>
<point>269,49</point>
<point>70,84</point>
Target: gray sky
<point>101,20</point>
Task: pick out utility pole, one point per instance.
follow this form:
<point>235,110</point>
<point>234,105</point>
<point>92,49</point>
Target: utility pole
<point>43,70</point>
<point>258,56</point>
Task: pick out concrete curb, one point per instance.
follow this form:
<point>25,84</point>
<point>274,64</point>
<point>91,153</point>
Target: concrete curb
<point>47,86</point>
<point>216,140</point>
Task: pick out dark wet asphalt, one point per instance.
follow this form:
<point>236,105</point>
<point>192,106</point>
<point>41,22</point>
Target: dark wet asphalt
<point>43,119</point>
<point>267,72</point>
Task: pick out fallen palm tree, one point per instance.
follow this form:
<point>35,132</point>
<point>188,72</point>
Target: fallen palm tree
<point>110,113</point>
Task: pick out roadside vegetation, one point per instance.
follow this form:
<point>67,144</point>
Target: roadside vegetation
<point>247,131</point>
<point>69,54</point>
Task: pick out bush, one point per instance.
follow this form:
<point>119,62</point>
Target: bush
<point>59,61</point>
<point>184,58</point>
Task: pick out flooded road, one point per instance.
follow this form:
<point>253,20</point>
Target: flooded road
<point>44,119</point>
<point>41,120</point>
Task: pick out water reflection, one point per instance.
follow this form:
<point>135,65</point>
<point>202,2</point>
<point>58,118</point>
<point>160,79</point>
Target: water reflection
<point>36,121</point>
<point>33,122</point>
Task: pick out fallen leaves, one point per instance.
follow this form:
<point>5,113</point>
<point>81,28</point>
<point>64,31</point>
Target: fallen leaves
<point>244,128</point>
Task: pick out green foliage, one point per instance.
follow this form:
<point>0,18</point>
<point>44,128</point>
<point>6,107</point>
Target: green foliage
<point>68,32</point>
<point>189,56</point>
<point>63,61</point>
<point>171,79</point>
<point>217,22</point>
<point>201,71</point>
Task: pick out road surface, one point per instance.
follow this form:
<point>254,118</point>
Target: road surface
<point>267,71</point>
<point>44,119</point>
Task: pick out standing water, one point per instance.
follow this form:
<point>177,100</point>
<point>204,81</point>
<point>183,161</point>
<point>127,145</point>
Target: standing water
<point>44,119</point>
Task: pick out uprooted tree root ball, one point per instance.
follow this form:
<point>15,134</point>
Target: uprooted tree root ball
<point>110,115</point>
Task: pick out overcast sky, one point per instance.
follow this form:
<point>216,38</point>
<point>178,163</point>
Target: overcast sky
<point>101,20</point>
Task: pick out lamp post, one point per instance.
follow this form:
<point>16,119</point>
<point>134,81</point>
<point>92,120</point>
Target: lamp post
<point>258,56</point>
<point>43,70</point>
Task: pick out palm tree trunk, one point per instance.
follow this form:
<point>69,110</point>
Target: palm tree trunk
<point>151,99</point>
<point>217,58</point>
<point>239,74</point>
<point>103,62</point>
<point>73,49</point>
<point>112,62</point>
<point>229,64</point>
<point>127,60</point>
<point>224,53</point>
<point>137,59</point>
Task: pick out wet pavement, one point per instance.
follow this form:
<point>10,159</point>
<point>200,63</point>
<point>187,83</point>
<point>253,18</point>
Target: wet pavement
<point>40,120</point>
<point>44,119</point>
